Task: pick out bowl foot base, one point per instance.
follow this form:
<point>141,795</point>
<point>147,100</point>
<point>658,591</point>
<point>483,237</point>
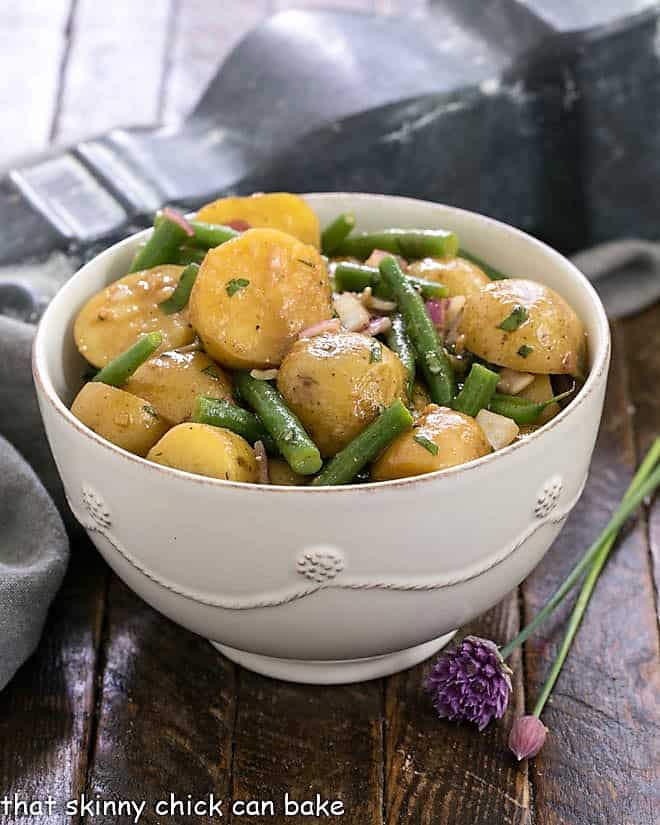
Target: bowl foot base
<point>334,672</point>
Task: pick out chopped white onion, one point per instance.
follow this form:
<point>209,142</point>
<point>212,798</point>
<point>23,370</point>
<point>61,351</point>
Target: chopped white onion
<point>376,304</point>
<point>264,375</point>
<point>377,326</point>
<point>453,316</point>
<point>499,430</point>
<point>352,313</point>
<point>331,325</point>
<point>261,455</point>
<point>512,382</point>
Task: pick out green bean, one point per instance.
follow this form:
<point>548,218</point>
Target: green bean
<point>477,390</point>
<point>218,412</point>
<point>120,369</point>
<point>409,243</point>
<point>356,277</point>
<point>336,232</point>
<point>292,441</point>
<point>205,235</point>
<point>179,298</point>
<point>398,341</point>
<point>188,255</point>
<point>522,410</point>
<point>343,468</point>
<point>431,356</point>
<point>493,274</point>
<point>162,246</point>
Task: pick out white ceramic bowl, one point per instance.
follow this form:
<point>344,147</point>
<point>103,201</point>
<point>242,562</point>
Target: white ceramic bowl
<point>332,584</point>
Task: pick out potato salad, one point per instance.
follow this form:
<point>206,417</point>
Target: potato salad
<point>247,344</point>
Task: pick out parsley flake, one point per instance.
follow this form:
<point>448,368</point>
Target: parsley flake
<point>516,319</point>
<point>524,351</point>
<point>235,285</point>
<point>427,444</point>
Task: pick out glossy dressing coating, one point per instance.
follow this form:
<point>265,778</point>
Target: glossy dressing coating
<point>118,315</point>
<point>254,294</point>
<point>454,439</point>
<point>338,383</point>
<point>172,381</point>
<point>460,276</point>
<point>551,339</point>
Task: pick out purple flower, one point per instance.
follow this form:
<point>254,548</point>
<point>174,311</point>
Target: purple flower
<point>527,737</point>
<point>470,682</point>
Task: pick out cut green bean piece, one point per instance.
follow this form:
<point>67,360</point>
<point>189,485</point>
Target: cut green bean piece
<point>431,355</point>
<point>205,235</point>
<point>409,243</point>
<point>477,391</point>
<point>366,446</point>
<point>493,274</point>
<point>336,232</point>
<point>162,246</point>
<point>120,369</point>
<point>218,412</point>
<point>179,298</point>
<point>188,255</point>
<point>356,277</point>
<point>522,410</point>
<point>292,441</point>
<point>398,341</point>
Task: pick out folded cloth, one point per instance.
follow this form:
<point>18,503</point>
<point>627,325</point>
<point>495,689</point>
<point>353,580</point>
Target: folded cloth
<point>34,548</point>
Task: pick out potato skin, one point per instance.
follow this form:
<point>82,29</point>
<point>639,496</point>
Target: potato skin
<point>206,451</point>
<point>171,382</point>
<point>460,276</point>
<point>288,291</point>
<point>118,315</point>
<point>552,330</point>
<point>270,210</point>
<point>124,419</point>
<point>336,388</point>
<point>458,438</point>
<point>281,474</point>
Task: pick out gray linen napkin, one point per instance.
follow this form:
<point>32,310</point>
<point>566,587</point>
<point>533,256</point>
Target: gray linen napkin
<point>33,543</point>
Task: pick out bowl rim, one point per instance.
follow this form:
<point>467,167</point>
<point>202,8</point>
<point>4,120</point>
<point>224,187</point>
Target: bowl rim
<point>600,365</point>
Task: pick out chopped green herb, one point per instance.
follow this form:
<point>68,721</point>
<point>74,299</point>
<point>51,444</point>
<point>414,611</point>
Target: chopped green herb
<point>212,370</point>
<point>427,444</point>
<point>376,352</point>
<point>524,351</point>
<point>306,263</point>
<point>150,410</point>
<point>235,285</point>
<point>516,319</point>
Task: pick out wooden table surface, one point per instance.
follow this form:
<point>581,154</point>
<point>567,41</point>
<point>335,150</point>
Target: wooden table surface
<point>120,704</point>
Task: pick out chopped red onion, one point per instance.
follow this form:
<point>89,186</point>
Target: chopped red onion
<point>379,325</point>
<point>377,256</point>
<point>437,310</point>
<point>238,224</point>
<point>177,218</point>
<point>261,455</point>
<point>331,325</point>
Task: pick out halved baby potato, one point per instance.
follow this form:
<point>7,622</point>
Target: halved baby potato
<point>120,417</point>
<point>440,438</point>
<point>272,210</point>
<point>170,382</point>
<point>338,383</point>
<point>118,315</point>
<point>460,276</point>
<point>281,474</point>
<point>206,451</point>
<point>525,326</point>
<point>254,294</point>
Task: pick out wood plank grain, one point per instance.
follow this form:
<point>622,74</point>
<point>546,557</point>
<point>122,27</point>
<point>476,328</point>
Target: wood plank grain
<point>441,772</point>
<point>33,43</point>
<point>642,357</point>
<point>200,42</point>
<point>165,713</point>
<point>600,764</point>
<point>306,740</point>
<point>46,710</point>
<point>115,68</point>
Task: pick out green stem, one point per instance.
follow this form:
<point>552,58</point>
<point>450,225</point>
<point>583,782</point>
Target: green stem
<point>336,232</point>
<point>644,483</point>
